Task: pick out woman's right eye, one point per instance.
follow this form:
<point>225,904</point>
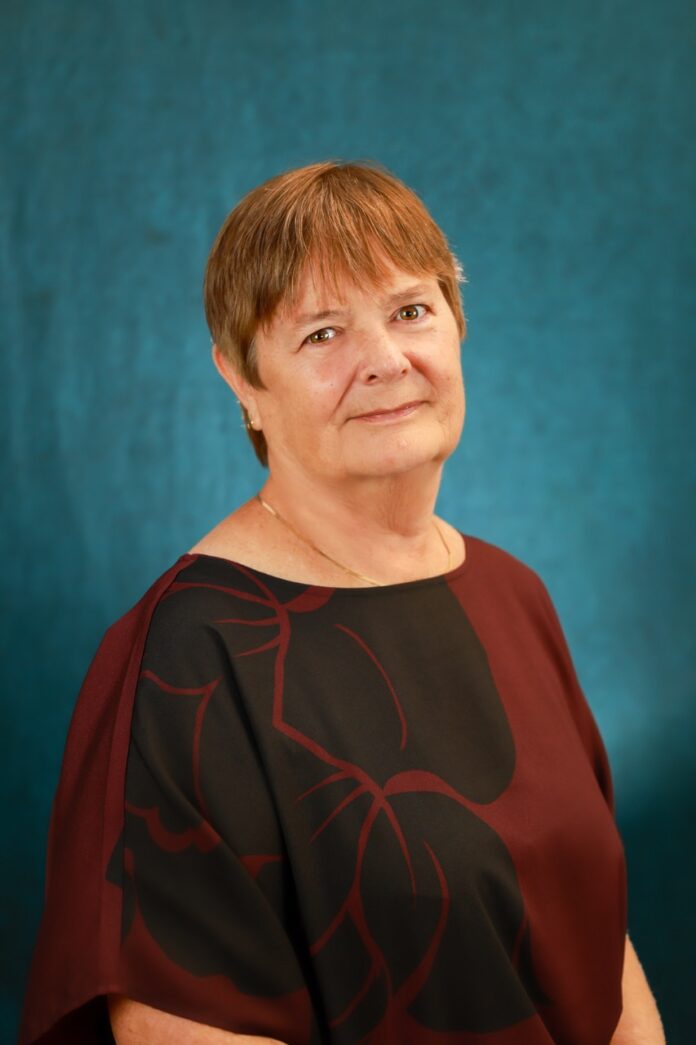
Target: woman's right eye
<point>319,337</point>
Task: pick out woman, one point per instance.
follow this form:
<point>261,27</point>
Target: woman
<point>333,778</point>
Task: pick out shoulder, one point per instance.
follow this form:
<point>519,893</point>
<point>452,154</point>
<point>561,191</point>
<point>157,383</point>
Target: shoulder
<point>169,622</point>
<point>500,566</point>
<point>243,536</point>
<point>189,609</point>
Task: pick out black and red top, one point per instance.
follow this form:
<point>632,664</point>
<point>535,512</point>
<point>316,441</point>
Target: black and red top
<point>336,815</point>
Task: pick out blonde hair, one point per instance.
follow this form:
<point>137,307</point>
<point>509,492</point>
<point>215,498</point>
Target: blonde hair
<point>339,219</point>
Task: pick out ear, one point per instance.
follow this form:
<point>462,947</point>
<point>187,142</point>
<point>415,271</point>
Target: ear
<point>239,385</point>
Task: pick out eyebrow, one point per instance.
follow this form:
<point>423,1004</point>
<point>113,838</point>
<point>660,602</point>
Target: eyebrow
<point>312,317</point>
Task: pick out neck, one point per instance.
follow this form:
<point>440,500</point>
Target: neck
<point>382,526</point>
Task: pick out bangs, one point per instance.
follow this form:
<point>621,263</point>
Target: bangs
<point>365,257</point>
<point>349,230</point>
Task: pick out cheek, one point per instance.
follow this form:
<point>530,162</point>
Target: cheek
<point>446,373</point>
<point>310,405</point>
<point>325,388</point>
<point>449,383</point>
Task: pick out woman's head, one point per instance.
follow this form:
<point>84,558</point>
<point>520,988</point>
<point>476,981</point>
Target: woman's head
<point>339,224</point>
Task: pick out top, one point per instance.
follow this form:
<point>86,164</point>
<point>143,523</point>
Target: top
<point>336,815</point>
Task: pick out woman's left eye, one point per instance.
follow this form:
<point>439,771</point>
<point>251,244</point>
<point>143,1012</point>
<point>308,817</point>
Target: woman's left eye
<point>412,308</point>
<point>322,340</point>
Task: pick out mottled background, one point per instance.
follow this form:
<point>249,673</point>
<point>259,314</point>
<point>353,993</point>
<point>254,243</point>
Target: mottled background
<point>553,142</point>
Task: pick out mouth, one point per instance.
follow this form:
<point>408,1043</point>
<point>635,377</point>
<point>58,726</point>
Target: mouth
<point>397,412</point>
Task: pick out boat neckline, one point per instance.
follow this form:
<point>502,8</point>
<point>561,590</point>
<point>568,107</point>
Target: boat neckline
<point>418,582</point>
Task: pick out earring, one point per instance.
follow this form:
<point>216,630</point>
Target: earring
<point>248,423</point>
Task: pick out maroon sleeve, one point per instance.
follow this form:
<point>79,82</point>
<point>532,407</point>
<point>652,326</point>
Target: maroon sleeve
<point>146,894</point>
<point>579,708</point>
<point>73,956</point>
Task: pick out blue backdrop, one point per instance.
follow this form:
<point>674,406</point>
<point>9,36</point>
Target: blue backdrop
<point>553,142</point>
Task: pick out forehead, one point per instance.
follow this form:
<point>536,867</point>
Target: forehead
<point>318,299</point>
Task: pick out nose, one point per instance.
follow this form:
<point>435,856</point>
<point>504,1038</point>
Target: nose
<point>383,358</point>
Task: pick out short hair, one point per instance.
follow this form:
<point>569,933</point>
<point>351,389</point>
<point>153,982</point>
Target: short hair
<point>341,220</point>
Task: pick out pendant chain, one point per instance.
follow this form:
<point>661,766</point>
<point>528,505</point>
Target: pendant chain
<point>354,573</point>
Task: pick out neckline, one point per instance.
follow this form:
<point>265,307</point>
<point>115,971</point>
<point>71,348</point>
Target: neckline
<point>419,582</point>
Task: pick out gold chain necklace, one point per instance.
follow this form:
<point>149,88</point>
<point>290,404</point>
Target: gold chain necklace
<point>378,584</point>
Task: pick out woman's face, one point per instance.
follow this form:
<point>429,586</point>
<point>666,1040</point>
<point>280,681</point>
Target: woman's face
<point>325,363</point>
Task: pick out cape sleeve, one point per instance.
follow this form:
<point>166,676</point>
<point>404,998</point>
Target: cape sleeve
<point>165,878</point>
<point>579,708</point>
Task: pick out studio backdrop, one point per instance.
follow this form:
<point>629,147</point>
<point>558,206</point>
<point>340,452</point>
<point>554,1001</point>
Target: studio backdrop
<point>553,143</point>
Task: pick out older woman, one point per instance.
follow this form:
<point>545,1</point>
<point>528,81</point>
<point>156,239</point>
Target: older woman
<point>333,778</point>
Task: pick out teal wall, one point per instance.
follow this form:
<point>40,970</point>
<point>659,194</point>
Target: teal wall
<point>553,142</point>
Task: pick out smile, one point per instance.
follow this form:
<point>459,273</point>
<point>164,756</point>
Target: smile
<point>390,415</point>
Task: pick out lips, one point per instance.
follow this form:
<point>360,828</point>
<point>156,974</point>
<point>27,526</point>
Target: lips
<point>392,409</point>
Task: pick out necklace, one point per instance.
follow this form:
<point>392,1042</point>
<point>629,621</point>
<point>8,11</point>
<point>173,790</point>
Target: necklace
<point>378,584</point>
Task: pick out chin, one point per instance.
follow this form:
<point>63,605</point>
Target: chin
<point>395,460</point>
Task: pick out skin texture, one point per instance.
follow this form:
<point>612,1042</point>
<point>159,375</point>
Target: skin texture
<point>133,1023</point>
<point>363,493</point>
<point>376,356</point>
<point>640,1022</point>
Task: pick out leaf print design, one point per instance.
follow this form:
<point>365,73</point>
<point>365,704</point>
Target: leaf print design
<point>375,852</point>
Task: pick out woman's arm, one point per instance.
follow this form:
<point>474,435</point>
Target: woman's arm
<point>133,1023</point>
<point>640,1022</point>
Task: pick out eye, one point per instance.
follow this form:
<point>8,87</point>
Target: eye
<point>411,308</point>
<point>321,341</point>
